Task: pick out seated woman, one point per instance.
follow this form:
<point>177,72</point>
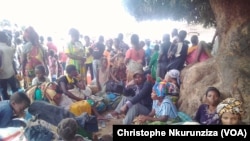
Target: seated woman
<point>206,114</point>
<point>163,109</point>
<point>230,112</point>
<point>197,52</point>
<point>67,82</point>
<point>138,101</point>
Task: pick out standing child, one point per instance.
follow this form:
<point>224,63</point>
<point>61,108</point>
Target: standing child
<point>13,108</point>
<point>59,67</point>
<point>53,66</point>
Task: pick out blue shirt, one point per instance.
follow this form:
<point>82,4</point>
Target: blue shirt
<point>7,115</point>
<point>166,108</point>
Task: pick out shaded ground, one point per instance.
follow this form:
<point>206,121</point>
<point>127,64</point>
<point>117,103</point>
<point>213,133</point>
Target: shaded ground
<point>108,129</point>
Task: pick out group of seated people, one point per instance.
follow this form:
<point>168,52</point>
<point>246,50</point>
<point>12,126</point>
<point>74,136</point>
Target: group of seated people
<point>143,101</point>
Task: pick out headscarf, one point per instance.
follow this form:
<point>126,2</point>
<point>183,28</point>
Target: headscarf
<point>230,105</point>
<point>174,74</point>
<point>160,89</point>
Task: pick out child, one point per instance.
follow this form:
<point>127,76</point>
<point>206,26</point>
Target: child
<point>206,114</point>
<point>13,108</point>
<point>53,66</point>
<point>163,109</point>
<point>230,111</point>
<point>67,130</point>
<point>40,75</point>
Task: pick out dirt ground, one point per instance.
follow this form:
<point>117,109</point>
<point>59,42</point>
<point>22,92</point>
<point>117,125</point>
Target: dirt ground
<point>108,129</point>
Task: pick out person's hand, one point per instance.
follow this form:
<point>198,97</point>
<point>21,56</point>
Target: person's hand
<point>124,109</point>
<point>150,79</point>
<point>142,118</point>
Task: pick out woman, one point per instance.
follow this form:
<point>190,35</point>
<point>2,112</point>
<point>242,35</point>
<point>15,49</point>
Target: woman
<point>163,109</point>
<point>33,55</point>
<point>230,111</point>
<point>134,57</point>
<point>206,114</point>
<point>76,53</point>
<point>198,52</point>
<point>118,67</point>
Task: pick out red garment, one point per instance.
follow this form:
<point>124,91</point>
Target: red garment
<point>191,57</point>
<point>51,46</point>
<point>135,55</point>
<point>63,57</point>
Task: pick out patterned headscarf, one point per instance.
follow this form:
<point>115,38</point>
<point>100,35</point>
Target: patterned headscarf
<point>230,105</point>
<point>160,89</point>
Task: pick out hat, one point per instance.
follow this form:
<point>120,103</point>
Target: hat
<point>140,72</point>
<point>230,105</point>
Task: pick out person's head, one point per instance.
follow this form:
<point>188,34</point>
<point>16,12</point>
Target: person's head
<point>67,129</point>
<point>31,35</point>
<point>71,71</point>
<point>159,90</point>
<point>87,40</point>
<point>101,39</point>
<point>174,32</point>
<point>40,71</point>
<point>75,35</point>
<point>173,76</point>
<point>138,77</point>
<point>19,102</point>
<point>49,39</point>
<point>182,35</point>
<point>109,43</point>
<point>212,96</point>
<point>120,37</point>
<point>51,53</point>
<point>148,42</point>
<point>142,44</point>
<point>230,111</point>
<point>194,40</point>
<point>135,40</point>
<point>166,38</point>
<point>4,37</point>
<point>41,38</point>
<point>104,62</point>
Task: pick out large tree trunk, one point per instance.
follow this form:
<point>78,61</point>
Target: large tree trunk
<point>229,71</point>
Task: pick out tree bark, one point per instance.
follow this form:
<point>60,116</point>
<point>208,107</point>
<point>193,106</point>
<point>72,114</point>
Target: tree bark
<point>233,57</point>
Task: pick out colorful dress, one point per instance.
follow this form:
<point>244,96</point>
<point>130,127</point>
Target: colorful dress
<point>76,49</point>
<point>34,56</point>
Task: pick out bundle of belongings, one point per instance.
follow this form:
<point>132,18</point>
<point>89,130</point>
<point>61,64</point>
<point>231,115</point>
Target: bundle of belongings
<point>51,115</point>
